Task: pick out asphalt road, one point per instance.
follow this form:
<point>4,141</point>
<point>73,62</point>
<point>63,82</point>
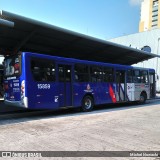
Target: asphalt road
<point>117,128</point>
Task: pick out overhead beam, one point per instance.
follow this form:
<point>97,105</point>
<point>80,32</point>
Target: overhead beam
<point>24,41</point>
<point>6,23</point>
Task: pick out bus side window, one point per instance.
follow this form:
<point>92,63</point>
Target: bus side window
<point>49,74</point>
<point>129,76</point>
<point>96,74</point>
<point>151,79</point>
<point>61,74</point>
<point>108,74</point>
<point>68,73</point>
<point>144,77</point>
<point>136,76</point>
<point>36,74</point>
<point>81,73</point>
<point>43,70</point>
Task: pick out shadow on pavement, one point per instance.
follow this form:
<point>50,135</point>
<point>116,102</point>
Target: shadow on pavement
<point>72,112</point>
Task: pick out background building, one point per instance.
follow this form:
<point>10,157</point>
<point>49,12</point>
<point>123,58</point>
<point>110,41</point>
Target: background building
<point>150,15</point>
<point>148,41</point>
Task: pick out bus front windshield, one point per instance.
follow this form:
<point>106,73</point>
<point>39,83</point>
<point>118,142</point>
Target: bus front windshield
<point>12,66</point>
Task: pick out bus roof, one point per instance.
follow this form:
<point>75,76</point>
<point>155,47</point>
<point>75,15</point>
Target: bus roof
<point>77,61</point>
<point>19,33</point>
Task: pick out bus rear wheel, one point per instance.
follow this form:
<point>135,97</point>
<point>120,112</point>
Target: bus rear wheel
<point>87,104</point>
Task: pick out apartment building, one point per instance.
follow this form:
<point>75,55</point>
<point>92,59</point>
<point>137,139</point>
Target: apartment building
<point>150,15</point>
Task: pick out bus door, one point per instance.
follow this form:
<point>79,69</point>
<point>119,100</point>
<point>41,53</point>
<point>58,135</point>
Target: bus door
<point>121,85</point>
<point>152,82</point>
<point>65,85</point>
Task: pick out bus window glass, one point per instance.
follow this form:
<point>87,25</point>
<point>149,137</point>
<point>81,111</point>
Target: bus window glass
<point>61,77</point>
<point>120,76</point>
<point>43,70</point>
<point>96,74</point>
<point>136,76</point>
<point>64,73</point>
<point>68,74</point>
<point>144,77</point>
<point>129,76</point>
<point>108,74</point>
<point>151,77</point>
<point>12,66</point>
<point>81,72</point>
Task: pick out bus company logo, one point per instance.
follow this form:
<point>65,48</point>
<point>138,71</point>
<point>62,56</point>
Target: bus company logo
<point>88,89</point>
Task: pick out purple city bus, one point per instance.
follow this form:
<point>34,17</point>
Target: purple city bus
<point>39,81</point>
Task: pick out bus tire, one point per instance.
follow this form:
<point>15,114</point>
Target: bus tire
<point>87,104</point>
<point>143,98</point>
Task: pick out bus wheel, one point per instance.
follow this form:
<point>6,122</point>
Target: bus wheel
<point>87,104</point>
<point>143,98</point>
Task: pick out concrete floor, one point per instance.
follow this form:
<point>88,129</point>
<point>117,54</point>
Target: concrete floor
<point>133,127</point>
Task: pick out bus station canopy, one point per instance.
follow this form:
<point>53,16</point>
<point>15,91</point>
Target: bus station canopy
<point>18,33</point>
